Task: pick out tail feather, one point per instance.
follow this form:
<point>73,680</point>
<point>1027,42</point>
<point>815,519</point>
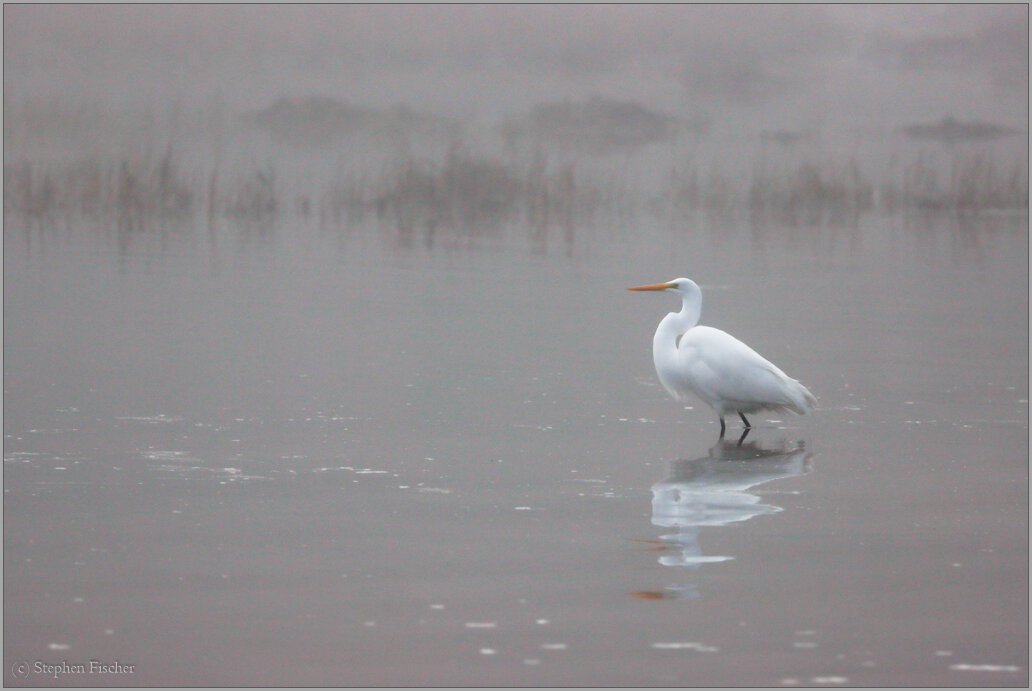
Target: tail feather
<point>802,400</point>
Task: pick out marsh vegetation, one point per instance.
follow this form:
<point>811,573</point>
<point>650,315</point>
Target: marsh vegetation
<point>610,115</point>
<point>566,163</point>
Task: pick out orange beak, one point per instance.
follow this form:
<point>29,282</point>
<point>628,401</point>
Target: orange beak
<point>655,286</point>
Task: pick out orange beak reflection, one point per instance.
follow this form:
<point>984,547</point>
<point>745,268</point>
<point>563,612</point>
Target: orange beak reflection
<point>655,286</point>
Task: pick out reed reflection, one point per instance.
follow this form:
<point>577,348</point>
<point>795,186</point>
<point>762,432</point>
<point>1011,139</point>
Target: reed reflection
<point>713,491</point>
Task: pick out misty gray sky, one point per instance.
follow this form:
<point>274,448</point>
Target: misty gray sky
<point>789,62</point>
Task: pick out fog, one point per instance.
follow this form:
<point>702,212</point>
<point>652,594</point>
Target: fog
<point>847,63</point>
<point>702,105</point>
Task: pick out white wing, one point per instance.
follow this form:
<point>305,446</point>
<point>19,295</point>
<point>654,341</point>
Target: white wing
<point>730,375</point>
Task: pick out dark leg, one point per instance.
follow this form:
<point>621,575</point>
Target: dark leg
<point>745,433</point>
<point>747,425</point>
<point>722,427</point>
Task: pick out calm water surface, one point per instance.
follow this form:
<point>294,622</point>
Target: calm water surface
<point>319,456</point>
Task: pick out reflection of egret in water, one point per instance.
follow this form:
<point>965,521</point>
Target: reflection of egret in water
<point>714,491</point>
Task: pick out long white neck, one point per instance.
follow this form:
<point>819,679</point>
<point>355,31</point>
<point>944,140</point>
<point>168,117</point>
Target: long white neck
<point>669,332</point>
<point>674,325</point>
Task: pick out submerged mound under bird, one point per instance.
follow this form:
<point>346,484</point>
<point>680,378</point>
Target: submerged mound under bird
<point>725,373</point>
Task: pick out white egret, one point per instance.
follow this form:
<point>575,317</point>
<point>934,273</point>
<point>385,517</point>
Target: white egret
<point>725,373</point>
